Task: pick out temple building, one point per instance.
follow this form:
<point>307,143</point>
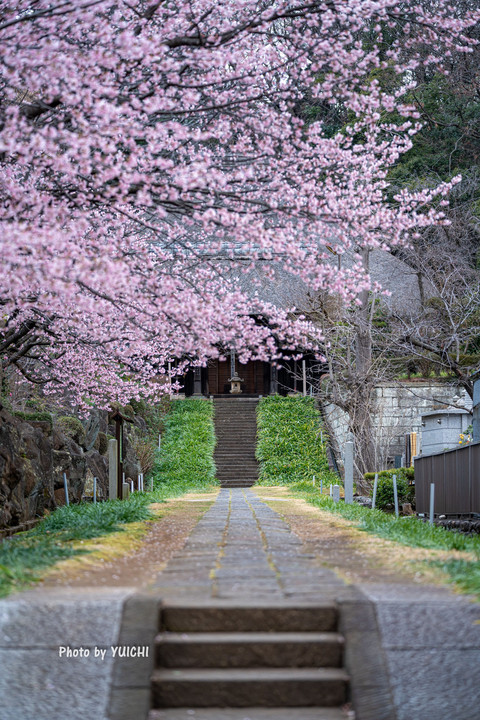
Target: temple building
<point>255,378</point>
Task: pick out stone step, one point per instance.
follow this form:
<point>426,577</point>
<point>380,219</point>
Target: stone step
<point>225,447</point>
<point>243,483</point>
<point>237,484</point>
<point>235,416</point>
<point>247,481</point>
<point>224,453</point>
<point>245,650</point>
<point>252,713</point>
<point>223,616</point>
<point>236,467</point>
<point>268,687</point>
<point>232,480</point>
<point>236,460</point>
<point>235,433</point>
<point>232,424</point>
<point>238,479</point>
<point>235,451</point>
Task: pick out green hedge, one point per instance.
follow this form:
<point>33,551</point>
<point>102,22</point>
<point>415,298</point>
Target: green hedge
<point>186,457</point>
<point>289,441</point>
<point>407,473</point>
<point>385,495</point>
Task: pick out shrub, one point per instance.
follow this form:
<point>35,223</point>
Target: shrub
<point>385,495</point>
<point>72,427</point>
<point>145,452</point>
<point>101,443</point>
<point>129,411</point>
<point>185,460</point>
<point>34,416</point>
<point>289,446</point>
<point>407,473</point>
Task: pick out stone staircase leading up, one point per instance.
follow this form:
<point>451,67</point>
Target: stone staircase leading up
<point>258,662</point>
<point>236,432</point>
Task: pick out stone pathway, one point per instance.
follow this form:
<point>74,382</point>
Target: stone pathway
<point>242,549</point>
<point>413,651</point>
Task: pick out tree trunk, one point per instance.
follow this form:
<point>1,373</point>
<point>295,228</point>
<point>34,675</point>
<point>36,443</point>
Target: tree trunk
<point>362,393</point>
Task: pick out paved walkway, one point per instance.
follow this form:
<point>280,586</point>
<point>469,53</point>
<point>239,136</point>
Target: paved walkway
<point>415,650</point>
<point>242,550</point>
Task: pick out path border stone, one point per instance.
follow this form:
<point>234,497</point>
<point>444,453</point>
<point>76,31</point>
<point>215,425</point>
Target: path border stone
<point>365,658</point>
<point>130,689</point>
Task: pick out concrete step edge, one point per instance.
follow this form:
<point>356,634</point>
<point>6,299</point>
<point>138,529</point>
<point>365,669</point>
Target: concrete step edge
<point>249,637</point>
<point>250,675</point>
<point>253,713</point>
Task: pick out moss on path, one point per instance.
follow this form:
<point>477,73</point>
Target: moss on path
<point>133,556</point>
<point>357,557</point>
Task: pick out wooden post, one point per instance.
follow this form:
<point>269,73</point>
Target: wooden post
<point>476,412</point>
<point>273,379</point>
<point>197,382</point>
<point>348,465</point>
<point>119,438</point>
<point>119,431</point>
<point>112,470</point>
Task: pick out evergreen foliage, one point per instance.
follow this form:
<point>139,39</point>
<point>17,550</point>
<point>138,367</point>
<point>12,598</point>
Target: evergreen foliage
<point>186,461</point>
<point>290,448</point>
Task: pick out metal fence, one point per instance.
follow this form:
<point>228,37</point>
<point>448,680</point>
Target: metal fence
<point>456,474</point>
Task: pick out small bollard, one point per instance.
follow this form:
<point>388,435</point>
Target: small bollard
<point>321,486</point>
<point>94,490</point>
<point>432,502</point>
<point>374,496</point>
<point>314,481</point>
<point>348,463</point>
<point>336,493</point>
<point>395,494</point>
<point>65,485</point>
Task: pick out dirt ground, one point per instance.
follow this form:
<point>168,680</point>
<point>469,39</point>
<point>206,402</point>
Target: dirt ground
<point>356,556</point>
<point>135,556</point>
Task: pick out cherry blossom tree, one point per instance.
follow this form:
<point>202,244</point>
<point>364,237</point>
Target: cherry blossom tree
<point>143,147</point>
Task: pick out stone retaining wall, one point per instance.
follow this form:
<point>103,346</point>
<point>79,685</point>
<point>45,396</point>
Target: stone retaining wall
<point>399,407</point>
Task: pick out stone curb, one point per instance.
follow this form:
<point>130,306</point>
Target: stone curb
<point>365,659</point>
<point>130,688</point>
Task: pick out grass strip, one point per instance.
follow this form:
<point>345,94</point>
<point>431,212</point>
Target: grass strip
<point>26,555</point>
<point>291,453</point>
<point>185,464</point>
<point>290,447</point>
<point>409,531</point>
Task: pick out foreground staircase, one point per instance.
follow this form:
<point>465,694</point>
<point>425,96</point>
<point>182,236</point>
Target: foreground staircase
<point>276,662</point>
<point>236,432</point>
